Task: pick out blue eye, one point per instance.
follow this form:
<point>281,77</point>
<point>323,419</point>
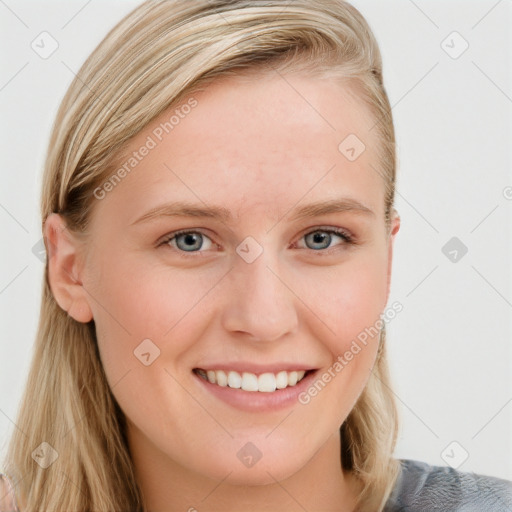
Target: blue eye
<point>197,242</point>
<point>189,241</point>
<point>321,238</point>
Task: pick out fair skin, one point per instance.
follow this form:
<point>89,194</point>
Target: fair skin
<point>259,150</point>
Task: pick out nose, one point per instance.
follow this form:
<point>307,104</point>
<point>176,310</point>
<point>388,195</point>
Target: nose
<point>260,304</point>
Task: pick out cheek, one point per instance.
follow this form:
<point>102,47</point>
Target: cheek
<point>350,303</point>
<point>135,301</point>
<point>147,297</point>
<point>349,297</point>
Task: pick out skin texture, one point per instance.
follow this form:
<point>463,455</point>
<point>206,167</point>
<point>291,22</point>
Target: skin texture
<point>260,147</point>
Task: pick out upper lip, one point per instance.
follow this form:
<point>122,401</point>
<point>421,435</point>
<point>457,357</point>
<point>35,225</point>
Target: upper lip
<point>257,369</point>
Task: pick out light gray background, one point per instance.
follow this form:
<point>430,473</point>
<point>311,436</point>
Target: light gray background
<point>450,347</point>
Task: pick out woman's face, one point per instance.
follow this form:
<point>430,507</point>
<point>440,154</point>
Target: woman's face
<point>261,173</point>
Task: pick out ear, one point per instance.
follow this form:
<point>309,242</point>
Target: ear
<point>393,230</point>
<point>64,269</point>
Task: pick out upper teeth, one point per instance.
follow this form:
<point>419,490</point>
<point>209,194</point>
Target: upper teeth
<point>266,382</point>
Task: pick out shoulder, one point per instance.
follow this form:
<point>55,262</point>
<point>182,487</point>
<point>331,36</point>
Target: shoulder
<point>422,487</point>
<point>7,497</point>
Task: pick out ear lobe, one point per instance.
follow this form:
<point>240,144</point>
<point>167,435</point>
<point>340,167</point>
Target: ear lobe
<point>64,269</point>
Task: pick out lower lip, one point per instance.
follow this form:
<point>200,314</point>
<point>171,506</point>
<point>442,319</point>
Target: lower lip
<point>258,401</point>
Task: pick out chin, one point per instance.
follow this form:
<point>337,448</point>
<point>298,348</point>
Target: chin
<point>263,472</point>
<point>259,475</point>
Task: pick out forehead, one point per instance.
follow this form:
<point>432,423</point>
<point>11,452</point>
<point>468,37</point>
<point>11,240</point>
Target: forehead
<point>257,142</point>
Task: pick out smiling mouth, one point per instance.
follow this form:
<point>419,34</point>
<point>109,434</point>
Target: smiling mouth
<point>264,382</point>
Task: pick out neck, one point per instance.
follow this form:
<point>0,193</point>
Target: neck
<point>320,484</point>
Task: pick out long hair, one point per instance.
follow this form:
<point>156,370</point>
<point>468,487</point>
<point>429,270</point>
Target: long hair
<point>157,55</point>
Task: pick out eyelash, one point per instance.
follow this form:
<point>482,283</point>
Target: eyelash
<point>347,238</point>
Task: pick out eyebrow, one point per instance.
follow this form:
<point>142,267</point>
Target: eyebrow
<point>183,209</point>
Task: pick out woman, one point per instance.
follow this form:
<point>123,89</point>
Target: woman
<point>219,224</point>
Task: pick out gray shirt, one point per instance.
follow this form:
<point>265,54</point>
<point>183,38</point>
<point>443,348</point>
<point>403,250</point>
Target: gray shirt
<point>424,488</point>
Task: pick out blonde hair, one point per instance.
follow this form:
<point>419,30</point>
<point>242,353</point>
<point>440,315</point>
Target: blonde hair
<point>158,54</point>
